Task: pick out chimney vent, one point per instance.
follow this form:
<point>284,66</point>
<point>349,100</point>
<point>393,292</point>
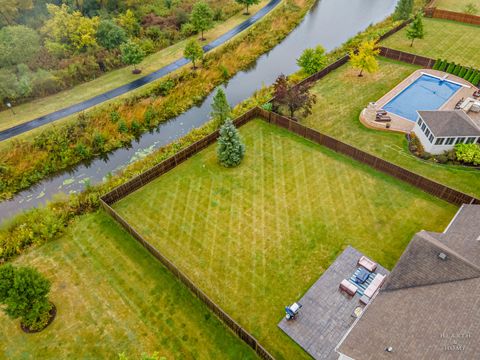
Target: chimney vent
<point>442,256</point>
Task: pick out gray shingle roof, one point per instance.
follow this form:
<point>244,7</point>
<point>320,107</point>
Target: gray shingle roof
<point>449,123</point>
<point>428,308</point>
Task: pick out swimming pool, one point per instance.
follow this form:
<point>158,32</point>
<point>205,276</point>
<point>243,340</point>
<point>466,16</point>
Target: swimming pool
<point>425,93</point>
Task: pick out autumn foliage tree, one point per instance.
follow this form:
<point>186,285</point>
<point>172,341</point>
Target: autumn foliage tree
<point>365,57</point>
<point>293,97</point>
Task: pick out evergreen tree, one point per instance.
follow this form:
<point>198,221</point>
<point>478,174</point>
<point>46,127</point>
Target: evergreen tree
<point>24,293</point>
<point>230,150</point>
<point>193,52</point>
<point>365,57</point>
<point>415,30</point>
<point>220,107</point>
<point>202,17</point>
<point>403,10</point>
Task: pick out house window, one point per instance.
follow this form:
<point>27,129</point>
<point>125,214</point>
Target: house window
<point>427,133</point>
<point>423,127</point>
<point>460,140</point>
<point>431,138</point>
<point>470,140</point>
<point>420,122</point>
<point>449,141</point>
<point>439,141</point>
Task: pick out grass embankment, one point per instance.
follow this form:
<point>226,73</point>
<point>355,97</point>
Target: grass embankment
<point>27,161</point>
<point>342,95</point>
<point>457,5</point>
<point>444,39</point>
<point>113,297</point>
<point>113,79</point>
<point>256,237</point>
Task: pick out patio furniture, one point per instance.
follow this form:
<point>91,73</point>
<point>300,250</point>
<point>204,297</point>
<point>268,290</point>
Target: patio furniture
<point>367,264</point>
<point>381,112</point>
<point>364,300</point>
<point>374,285</point>
<point>383,118</point>
<point>292,310</point>
<point>362,275</point>
<point>348,287</point>
<point>357,312</point>
<point>476,94</point>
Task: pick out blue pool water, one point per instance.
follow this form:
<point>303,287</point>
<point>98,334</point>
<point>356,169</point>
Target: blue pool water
<point>425,93</point>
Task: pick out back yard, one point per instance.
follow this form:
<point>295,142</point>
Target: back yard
<point>256,237</point>
<point>457,5</point>
<point>113,297</point>
<point>342,95</point>
<point>444,39</point>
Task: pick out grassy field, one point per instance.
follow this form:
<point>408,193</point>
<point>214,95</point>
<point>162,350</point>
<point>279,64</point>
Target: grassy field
<point>444,39</point>
<point>256,237</point>
<point>340,98</point>
<point>112,79</point>
<point>457,5</point>
<point>113,297</point>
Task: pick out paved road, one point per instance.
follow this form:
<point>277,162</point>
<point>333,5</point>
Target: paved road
<point>35,123</point>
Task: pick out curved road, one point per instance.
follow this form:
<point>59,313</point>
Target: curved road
<point>35,123</point>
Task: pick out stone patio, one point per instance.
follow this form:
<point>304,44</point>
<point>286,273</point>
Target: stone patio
<point>326,313</point>
<point>401,124</point>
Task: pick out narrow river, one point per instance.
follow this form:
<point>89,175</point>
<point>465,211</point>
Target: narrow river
<point>329,23</point>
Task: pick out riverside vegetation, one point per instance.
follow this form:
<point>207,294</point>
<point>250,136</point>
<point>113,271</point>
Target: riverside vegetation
<point>40,225</point>
<point>27,160</point>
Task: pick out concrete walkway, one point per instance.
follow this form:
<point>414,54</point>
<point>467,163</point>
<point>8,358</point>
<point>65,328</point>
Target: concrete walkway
<point>57,115</point>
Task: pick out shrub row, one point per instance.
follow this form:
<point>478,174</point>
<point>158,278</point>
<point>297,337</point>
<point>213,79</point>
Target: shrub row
<point>467,73</point>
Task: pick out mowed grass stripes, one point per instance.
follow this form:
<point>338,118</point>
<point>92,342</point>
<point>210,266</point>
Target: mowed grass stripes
<point>112,296</point>
<point>254,238</point>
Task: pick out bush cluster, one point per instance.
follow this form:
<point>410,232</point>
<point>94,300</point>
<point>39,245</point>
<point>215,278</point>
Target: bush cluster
<point>467,73</point>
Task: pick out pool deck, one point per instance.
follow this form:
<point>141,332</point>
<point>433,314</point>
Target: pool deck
<point>400,124</point>
<point>326,313</point>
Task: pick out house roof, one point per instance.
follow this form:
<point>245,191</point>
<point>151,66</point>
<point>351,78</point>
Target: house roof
<point>428,307</point>
<point>449,123</point>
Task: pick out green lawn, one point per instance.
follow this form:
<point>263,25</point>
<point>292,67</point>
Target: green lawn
<point>256,237</point>
<point>113,297</point>
<point>112,79</point>
<point>340,98</point>
<point>444,39</point>
<point>457,5</point>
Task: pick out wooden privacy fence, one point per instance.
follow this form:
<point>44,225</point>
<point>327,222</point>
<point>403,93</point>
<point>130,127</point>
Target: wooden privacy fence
<point>429,186</point>
<point>407,57</point>
<point>452,15</point>
<point>441,191</point>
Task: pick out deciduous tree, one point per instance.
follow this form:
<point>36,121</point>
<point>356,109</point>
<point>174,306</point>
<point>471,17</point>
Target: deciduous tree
<point>365,58</point>
<point>110,35</point>
<point>193,52</point>
<point>415,30</point>
<point>24,294</point>
<point>312,60</point>
<point>18,44</point>
<point>247,3</point>
<point>132,54</point>
<point>202,17</point>
<point>230,149</point>
<point>294,97</point>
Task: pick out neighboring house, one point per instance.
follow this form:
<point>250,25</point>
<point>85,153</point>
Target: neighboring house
<point>429,307</point>
<point>440,131</point>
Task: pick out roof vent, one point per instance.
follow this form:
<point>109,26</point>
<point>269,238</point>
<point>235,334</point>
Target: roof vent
<point>389,349</point>
<point>442,256</point>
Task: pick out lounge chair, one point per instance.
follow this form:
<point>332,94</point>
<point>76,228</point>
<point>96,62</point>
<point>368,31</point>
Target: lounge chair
<point>383,118</point>
<point>348,287</point>
<point>381,112</point>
